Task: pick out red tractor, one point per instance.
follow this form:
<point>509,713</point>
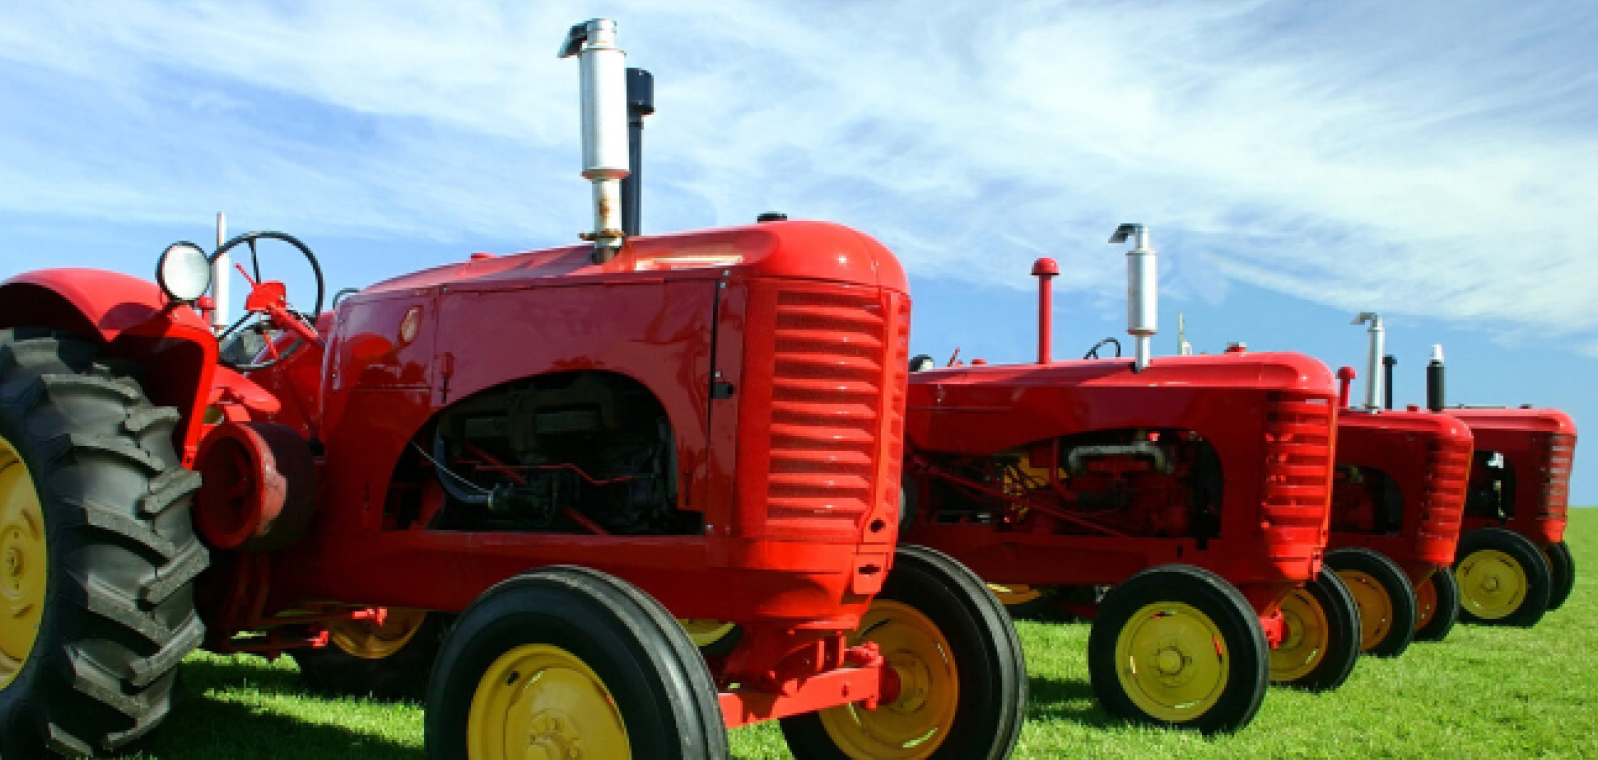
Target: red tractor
<point>518,472</point>
<point>1396,508</point>
<point>1197,487</point>
<point>1513,564</point>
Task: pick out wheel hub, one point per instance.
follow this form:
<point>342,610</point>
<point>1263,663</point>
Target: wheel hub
<point>552,733</point>
<point>1171,661</point>
<point>22,564</point>
<point>1172,664</point>
<point>1492,584</point>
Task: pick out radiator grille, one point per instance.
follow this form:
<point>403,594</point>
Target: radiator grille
<point>1298,450</point>
<point>1556,480</point>
<point>833,362</point>
<point>1448,476</point>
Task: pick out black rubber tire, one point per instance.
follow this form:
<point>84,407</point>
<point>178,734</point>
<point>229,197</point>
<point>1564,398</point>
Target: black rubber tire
<point>661,687</point>
<point>1539,580</point>
<point>1332,599</point>
<point>401,675</point>
<point>984,647</point>
<point>118,611</point>
<point>1239,625</point>
<point>1393,584</point>
<point>1442,621</point>
<point>1563,568</point>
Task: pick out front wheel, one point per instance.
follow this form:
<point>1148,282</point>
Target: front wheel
<point>570,662</point>
<point>1563,573</point>
<point>1177,645</point>
<point>1385,597</point>
<point>1503,578</point>
<point>388,661</point>
<point>1322,641</point>
<point>1438,600</point>
<point>962,676</point>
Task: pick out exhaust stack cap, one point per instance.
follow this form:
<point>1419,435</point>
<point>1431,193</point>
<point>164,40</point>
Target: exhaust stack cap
<point>771,216</point>
<point>1142,290</point>
<point>1373,375</point>
<point>604,107</point>
<point>1437,353</point>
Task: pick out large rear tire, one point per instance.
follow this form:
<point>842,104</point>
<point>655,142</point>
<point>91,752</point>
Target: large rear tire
<point>388,661</point>
<point>1438,599</point>
<point>1563,569</point>
<point>96,551</point>
<point>962,674</point>
<point>565,658</point>
<point>1177,645</point>
<point>1503,578</point>
<point>1385,597</point>
<point>1322,642</point>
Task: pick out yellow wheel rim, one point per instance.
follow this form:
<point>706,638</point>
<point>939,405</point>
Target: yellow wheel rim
<point>22,563</point>
<point>1171,661</point>
<point>1308,636</point>
<point>1013,594</point>
<point>706,632</point>
<point>367,641</point>
<point>540,702</point>
<point>1492,585</point>
<point>1425,603</point>
<point>1375,607</point>
<point>915,724</point>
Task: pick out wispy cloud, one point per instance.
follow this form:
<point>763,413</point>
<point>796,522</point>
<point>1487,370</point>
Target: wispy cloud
<point>1430,158</point>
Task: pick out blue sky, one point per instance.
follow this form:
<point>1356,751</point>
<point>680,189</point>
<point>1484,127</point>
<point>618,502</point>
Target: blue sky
<point>1297,162</point>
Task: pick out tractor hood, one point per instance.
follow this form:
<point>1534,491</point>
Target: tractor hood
<point>1353,421</point>
<point>988,407</point>
<point>1530,420</point>
<point>795,250</point>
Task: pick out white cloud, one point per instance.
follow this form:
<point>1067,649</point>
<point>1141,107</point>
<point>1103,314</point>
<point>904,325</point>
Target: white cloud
<point>1427,158</point>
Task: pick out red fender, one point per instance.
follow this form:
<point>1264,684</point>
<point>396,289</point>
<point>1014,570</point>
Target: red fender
<point>133,319</point>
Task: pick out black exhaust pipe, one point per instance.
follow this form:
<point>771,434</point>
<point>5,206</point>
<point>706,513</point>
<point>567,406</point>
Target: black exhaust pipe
<point>1387,372</point>
<point>640,103</point>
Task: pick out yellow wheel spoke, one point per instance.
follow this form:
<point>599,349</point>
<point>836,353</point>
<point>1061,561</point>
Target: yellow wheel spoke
<point>914,724</point>
<point>23,569</point>
<point>1171,661</point>
<point>541,702</point>
<point>1375,607</point>
<point>1012,594</point>
<point>1308,636</point>
<point>1492,585</point>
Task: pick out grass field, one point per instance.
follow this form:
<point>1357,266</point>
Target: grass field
<point>1483,692</point>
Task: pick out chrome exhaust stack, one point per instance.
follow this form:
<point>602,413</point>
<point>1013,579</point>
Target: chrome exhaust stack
<point>605,138</point>
<point>1373,372</point>
<point>1142,290</point>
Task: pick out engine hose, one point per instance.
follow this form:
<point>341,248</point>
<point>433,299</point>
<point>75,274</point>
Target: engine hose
<point>452,482</point>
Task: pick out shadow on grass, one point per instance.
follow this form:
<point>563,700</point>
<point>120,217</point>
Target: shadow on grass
<point>203,726</point>
<point>1052,698</point>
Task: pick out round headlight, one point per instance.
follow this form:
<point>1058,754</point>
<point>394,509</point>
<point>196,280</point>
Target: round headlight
<point>184,272</point>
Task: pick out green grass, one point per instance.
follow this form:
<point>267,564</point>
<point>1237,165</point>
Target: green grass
<point>1484,692</point>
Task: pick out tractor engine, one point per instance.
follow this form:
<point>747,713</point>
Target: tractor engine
<point>1492,487</point>
<point>579,452</point>
<point>1365,500</point>
<point>1164,483</point>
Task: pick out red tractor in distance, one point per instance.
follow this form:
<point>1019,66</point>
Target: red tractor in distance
<point>555,456</point>
<point>1196,486</point>
<point>1397,502</point>
<point>1512,564</point>
<point>1513,555</point>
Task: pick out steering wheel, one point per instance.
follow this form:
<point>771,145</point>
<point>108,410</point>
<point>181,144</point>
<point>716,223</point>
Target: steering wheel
<point>268,303</point>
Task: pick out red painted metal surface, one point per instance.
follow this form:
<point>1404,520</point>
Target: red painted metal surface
<point>1537,447</point>
<point>1400,486</point>
<point>989,448</point>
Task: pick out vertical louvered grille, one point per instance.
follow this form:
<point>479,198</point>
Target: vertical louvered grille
<point>832,361</point>
<point>1447,477</point>
<point>1298,449</point>
<point>1556,481</point>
